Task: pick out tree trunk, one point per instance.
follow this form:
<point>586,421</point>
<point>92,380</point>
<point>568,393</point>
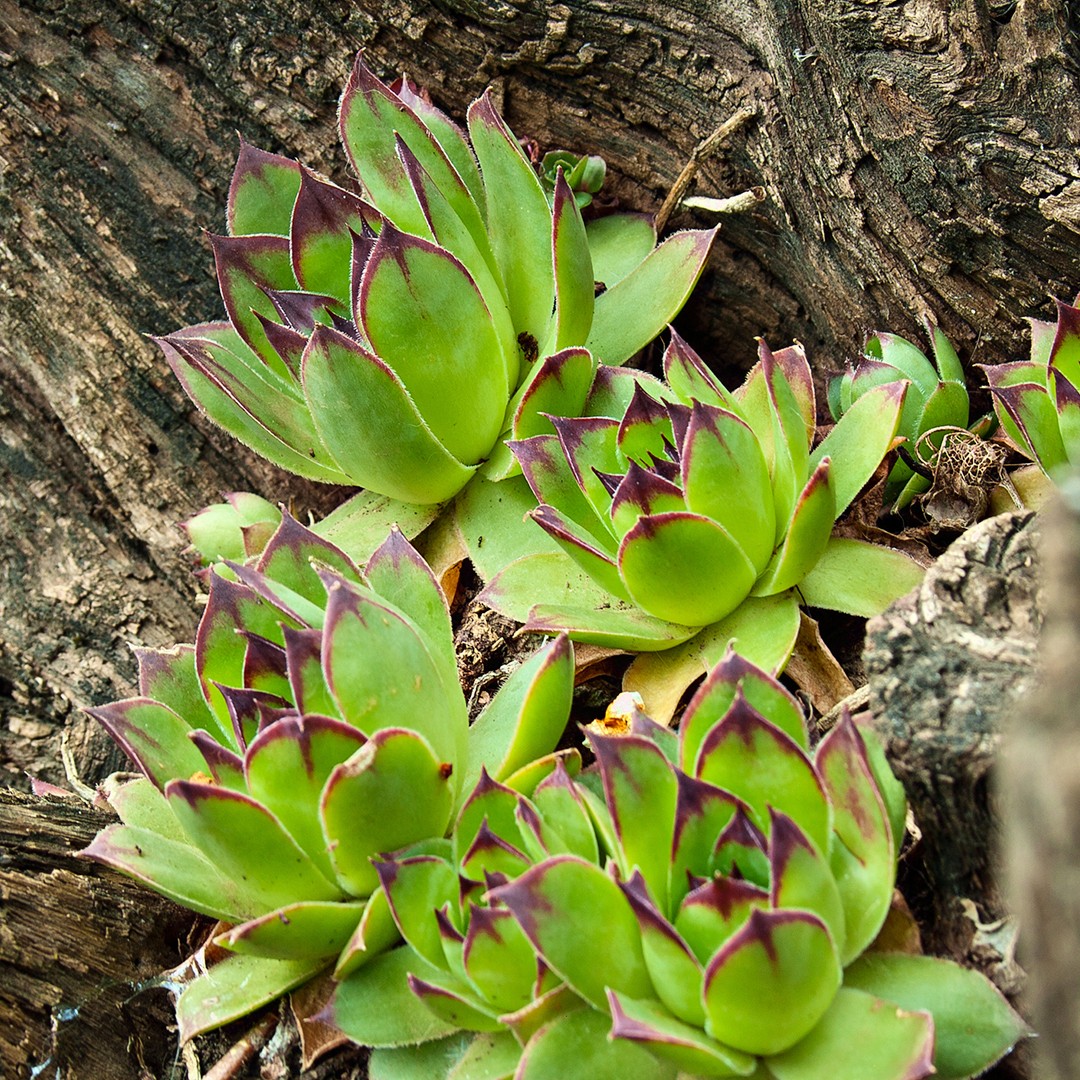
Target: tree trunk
<point>916,158</point>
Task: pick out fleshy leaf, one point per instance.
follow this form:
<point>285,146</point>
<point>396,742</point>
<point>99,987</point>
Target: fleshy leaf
<point>574,296</point>
<point>361,407</point>
<point>262,192</point>
<point>582,925</point>
<point>859,578</point>
<point>304,931</point>
<point>618,244</point>
<point>236,986</point>
<point>974,1025</point>
<point>375,1007</point>
<point>686,1046</point>
<point>791,963</point>
<point>392,792</point>
<point>634,310</point>
<point>891,1044</point>
<point>527,717</point>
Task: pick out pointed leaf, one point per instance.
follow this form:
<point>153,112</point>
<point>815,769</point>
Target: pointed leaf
<point>305,931</point>
<point>635,309</point>
<point>686,1046</point>
<point>527,717</point>
<point>519,221</point>
<point>790,961</point>
<point>684,568</point>
<point>262,192</point>
<point>618,244</point>
<point>974,1025</point>
<point>893,1044</point>
<point>375,1007</point>
<point>574,297</point>
<point>582,925</point>
<point>237,986</point>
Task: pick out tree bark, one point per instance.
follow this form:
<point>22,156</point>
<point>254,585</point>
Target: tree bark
<point>916,158</point>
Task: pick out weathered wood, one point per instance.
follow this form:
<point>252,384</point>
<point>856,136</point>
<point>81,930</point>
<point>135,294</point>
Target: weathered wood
<point>947,665</point>
<point>79,946</point>
<point>1039,778</point>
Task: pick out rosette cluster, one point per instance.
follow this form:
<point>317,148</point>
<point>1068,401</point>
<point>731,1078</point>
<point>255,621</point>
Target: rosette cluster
<point>390,339</point>
<point>317,722</point>
<point>681,500</point>
<point>703,904</point>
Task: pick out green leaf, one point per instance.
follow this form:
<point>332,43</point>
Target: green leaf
<point>383,675</point>
<point>641,792</point>
<point>582,925</point>
<point>526,718</point>
<point>491,520</point>
<point>754,760</point>
<point>361,523</point>
<point>574,298</point>
<point>437,1058</point>
<point>177,870</point>
<point>153,736</point>
<point>489,1057</point>
<point>304,931</point>
<point>762,629</point>
<point>651,1026</point>
<point>393,792</point>
<point>974,1026</point>
<point>619,244</point>
<point>908,359</point>
<point>948,363</point>
<point>859,578</point>
<point>807,535</point>
<point>863,858</point>
<point>634,310</point>
<point>684,568</point>
<point>262,192</point>
<point>891,1044</point>
<point>576,1045</point>
<point>519,221</point>
<point>375,1007</point>
<point>427,321</point>
<point>860,440</point>
<point>246,842</point>
<point>725,477</point>
<point>416,888</point>
<point>237,986</point>
<point>791,963</point>
<point>287,765</point>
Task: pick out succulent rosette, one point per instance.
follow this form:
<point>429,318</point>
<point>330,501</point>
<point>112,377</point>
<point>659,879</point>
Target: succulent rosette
<point>704,904</point>
<point>316,723</point>
<point>1037,401</point>
<point>682,506</point>
<point>391,340</point>
<point>937,398</point>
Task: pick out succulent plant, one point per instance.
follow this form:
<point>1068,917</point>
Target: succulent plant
<point>1037,401</point>
<point>705,905</point>
<point>392,340</point>
<point>681,506</point>
<point>317,722</point>
<point>937,399</point>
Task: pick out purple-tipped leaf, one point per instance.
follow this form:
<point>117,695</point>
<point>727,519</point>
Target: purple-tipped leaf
<point>633,311</point>
<point>685,1045</point>
<point>361,409</point>
<point>415,889</point>
<point>789,960</point>
<point>762,765</point>
<point>392,792</point>
<point>262,192</point>
<point>309,930</point>
<point>574,291</point>
<point>684,568</point>
<point>688,375</point>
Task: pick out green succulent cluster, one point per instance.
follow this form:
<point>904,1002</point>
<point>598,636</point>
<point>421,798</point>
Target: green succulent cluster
<point>937,401</point>
<point>316,722</point>
<point>1037,402</point>
<point>700,904</point>
<point>705,905</point>
<point>393,339</point>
